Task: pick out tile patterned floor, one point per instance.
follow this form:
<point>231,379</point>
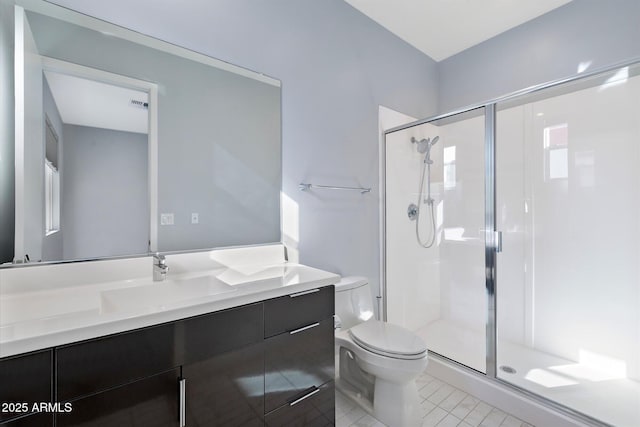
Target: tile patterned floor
<point>442,406</point>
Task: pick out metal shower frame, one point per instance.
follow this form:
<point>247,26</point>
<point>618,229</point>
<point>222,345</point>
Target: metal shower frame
<point>492,235</point>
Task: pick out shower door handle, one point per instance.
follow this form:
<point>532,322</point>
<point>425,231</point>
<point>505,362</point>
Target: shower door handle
<point>497,238</point>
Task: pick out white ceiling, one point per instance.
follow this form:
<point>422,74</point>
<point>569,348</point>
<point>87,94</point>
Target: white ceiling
<point>89,103</point>
<point>442,28</point>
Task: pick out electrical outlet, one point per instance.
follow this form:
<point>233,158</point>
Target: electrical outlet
<point>194,218</point>
<point>166,219</point>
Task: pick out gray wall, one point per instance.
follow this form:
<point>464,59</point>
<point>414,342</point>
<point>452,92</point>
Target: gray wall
<point>52,244</point>
<point>547,48</point>
<point>7,123</point>
<point>104,204</point>
<point>336,67</point>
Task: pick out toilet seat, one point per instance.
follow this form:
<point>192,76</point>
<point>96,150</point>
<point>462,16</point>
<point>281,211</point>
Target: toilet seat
<point>386,339</point>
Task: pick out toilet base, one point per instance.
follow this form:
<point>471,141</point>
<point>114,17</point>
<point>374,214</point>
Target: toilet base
<point>385,387</point>
<point>354,395</point>
<point>386,408</point>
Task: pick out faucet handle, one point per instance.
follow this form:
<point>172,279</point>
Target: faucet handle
<point>161,259</point>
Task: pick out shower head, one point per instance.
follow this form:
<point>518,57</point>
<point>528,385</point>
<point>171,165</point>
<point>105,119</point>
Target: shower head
<point>425,144</point>
<point>422,145</point>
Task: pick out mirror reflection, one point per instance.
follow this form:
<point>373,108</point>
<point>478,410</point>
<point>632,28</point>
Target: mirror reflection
<point>129,145</point>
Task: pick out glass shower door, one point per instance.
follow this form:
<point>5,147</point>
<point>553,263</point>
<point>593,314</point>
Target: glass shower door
<point>434,235</point>
<point>568,277</point>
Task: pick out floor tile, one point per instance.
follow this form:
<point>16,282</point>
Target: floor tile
<point>478,414</point>
<point>442,406</point>
<point>430,388</point>
<point>449,421</point>
<point>434,417</point>
<point>511,421</point>
<point>452,400</point>
<point>463,408</point>
<point>441,394</point>
<point>427,407</point>
<point>494,418</point>
<point>352,416</point>
<point>367,421</point>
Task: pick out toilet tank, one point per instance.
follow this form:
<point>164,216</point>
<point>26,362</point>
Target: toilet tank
<point>354,302</point>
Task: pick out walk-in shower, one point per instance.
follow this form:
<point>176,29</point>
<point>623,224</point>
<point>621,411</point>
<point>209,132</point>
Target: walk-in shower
<point>424,147</point>
<point>531,277</point>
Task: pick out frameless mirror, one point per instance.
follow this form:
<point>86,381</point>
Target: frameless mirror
<point>126,145</point>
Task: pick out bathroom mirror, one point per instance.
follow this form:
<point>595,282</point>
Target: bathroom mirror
<point>130,145</point>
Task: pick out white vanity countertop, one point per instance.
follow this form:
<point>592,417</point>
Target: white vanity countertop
<point>46,318</point>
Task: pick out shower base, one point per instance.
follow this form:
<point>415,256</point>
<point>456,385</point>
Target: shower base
<point>586,388</point>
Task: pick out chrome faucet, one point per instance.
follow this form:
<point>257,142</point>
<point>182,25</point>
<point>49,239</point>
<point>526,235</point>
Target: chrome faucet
<point>160,267</point>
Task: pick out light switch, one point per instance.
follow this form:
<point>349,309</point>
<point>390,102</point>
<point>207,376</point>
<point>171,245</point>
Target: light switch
<point>166,219</point>
<point>194,218</point>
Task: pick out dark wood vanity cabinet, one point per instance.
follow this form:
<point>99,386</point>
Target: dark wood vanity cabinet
<point>268,363</point>
<point>134,378</point>
<point>25,380</point>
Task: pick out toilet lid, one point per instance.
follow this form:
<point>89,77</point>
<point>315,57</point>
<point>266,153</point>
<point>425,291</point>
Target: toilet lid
<point>388,340</point>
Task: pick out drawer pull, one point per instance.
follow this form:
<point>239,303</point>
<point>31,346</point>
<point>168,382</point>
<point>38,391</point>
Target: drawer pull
<point>183,403</point>
<point>299,294</point>
<point>304,328</point>
<point>306,396</point>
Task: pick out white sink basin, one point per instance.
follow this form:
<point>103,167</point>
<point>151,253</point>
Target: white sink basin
<point>146,294</point>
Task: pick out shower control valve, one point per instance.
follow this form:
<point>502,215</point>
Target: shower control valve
<point>412,211</point>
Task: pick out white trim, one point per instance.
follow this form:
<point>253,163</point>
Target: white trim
<point>153,168</point>
<point>19,124</point>
<point>110,29</point>
<point>387,118</point>
<point>68,68</point>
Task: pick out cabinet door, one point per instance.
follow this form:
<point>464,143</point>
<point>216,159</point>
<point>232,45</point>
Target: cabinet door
<point>298,360</point>
<point>226,390</point>
<point>313,408</point>
<point>152,401</point>
<point>224,373</point>
<point>25,379</point>
<point>33,420</point>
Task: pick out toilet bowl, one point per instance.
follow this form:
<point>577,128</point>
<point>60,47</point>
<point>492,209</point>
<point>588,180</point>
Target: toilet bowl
<point>378,361</point>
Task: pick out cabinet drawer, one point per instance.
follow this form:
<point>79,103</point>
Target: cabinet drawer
<point>296,310</point>
<point>151,401</point>
<point>26,379</point>
<point>311,408</point>
<point>296,361</point>
<point>102,363</point>
<point>217,333</point>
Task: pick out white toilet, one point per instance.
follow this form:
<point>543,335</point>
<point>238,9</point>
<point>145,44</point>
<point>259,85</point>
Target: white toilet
<point>378,361</point>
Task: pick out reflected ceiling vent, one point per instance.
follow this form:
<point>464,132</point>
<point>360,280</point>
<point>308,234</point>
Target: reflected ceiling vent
<point>139,104</point>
